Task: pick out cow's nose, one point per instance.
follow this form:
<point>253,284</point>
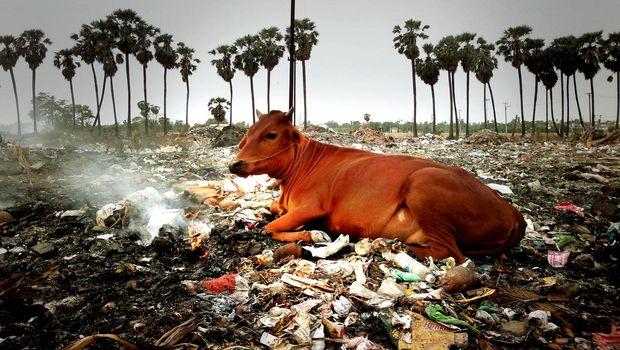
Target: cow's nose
<point>235,166</point>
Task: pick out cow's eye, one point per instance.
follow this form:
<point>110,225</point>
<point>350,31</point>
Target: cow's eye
<point>271,136</point>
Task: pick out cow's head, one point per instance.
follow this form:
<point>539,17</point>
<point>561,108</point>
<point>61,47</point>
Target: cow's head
<point>269,146</point>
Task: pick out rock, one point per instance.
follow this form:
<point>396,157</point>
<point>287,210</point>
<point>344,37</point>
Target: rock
<point>534,186</point>
<point>44,248</point>
<point>458,279</point>
<point>517,328</point>
<point>5,217</point>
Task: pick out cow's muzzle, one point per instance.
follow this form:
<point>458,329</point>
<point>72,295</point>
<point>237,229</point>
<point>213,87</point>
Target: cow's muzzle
<point>235,166</point>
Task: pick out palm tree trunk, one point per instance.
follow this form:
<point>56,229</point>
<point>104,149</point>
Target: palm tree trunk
<point>451,135</point>
<point>415,101</point>
<point>567,129</point>
<point>555,126</point>
<point>592,94</point>
<point>268,90</point>
<point>165,95</point>
<point>577,99</point>
<point>521,101</point>
<point>128,95</point>
<point>72,101</point>
<point>187,102</point>
<point>562,100</point>
<point>146,104</point>
<point>97,121</point>
<point>252,91</point>
<point>434,116</point>
<point>493,105</point>
<point>303,74</point>
<point>484,100</point>
<point>547,113</point>
<point>19,122</point>
<point>617,98</point>
<point>467,107</point>
<point>456,115</point>
<point>92,67</point>
<point>231,100</point>
<point>114,106</point>
<point>34,100</point>
<point>534,108</point>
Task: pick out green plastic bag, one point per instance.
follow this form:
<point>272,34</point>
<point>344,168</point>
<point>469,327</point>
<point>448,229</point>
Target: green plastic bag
<point>435,312</point>
<point>402,276</point>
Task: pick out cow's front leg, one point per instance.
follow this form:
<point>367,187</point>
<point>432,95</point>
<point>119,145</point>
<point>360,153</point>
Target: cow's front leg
<point>282,228</point>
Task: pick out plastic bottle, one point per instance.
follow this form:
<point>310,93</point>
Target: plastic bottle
<point>410,264</point>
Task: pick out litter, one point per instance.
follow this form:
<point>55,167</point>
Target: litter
<point>329,249</point>
<point>558,259</point>
<point>568,206</point>
<point>503,189</point>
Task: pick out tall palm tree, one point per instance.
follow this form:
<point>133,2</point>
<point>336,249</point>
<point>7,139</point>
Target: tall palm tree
<point>446,52</point>
<point>144,35</point>
<point>512,46</point>
<point>406,43</point>
<point>534,63</point>
<point>218,106</point>
<point>566,59</point>
<point>611,48</point>
<point>271,51</point>
<point>225,68</point>
<point>86,48</point>
<point>64,60</point>
<point>103,33</point>
<point>167,56</point>
<point>247,60</point>
<point>549,78</point>
<point>306,37</point>
<point>33,45</point>
<point>590,60</point>
<point>468,55</point>
<point>428,71</point>
<point>9,56</point>
<point>187,66</point>
<point>485,65</point>
<point>126,22</point>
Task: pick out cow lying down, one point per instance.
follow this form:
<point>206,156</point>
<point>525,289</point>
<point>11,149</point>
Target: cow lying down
<point>438,210</point>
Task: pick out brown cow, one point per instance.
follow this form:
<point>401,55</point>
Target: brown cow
<point>438,210</point>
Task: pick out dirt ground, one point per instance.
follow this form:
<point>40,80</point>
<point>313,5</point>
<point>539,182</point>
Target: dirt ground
<point>65,276</point>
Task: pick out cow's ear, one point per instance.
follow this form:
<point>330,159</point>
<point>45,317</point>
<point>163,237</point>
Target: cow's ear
<point>289,114</point>
<point>243,142</point>
<point>296,136</point>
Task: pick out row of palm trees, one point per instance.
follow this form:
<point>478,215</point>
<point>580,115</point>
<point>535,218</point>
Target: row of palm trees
<point>568,55</point>
<point>110,42</point>
<point>250,52</point>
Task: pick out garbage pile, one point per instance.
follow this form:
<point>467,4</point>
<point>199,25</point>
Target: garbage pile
<point>372,136</point>
<point>486,137</point>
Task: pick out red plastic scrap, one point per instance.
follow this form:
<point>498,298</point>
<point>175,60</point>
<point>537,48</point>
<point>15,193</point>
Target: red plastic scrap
<point>568,206</point>
<point>221,284</point>
<point>609,341</point>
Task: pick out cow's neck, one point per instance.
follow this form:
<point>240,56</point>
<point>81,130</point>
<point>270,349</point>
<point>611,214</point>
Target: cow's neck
<point>306,157</point>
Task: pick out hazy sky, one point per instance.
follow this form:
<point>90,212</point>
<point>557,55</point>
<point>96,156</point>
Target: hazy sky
<point>353,70</point>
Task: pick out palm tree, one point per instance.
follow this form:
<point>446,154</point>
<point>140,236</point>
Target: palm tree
<point>126,22</point>
<point>428,71</point>
<point>534,63</point>
<point>468,55</point>
<point>590,60</point>
<point>64,61</point>
<point>270,53</point>
<point>32,45</point>
<point>167,57</point>
<point>8,59</point>
<point>485,65</point>
<point>86,48</point>
<point>406,43</point>
<point>446,52</point>
<point>144,34</point>
<point>306,37</point>
<point>611,61</point>
<point>103,33</point>
<point>566,59</point>
<point>187,66</point>
<point>512,46</point>
<point>549,78</point>
<point>218,106</point>
<point>247,61</point>
<point>225,68</point>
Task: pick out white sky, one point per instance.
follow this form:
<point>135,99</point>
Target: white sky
<point>353,70</point>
